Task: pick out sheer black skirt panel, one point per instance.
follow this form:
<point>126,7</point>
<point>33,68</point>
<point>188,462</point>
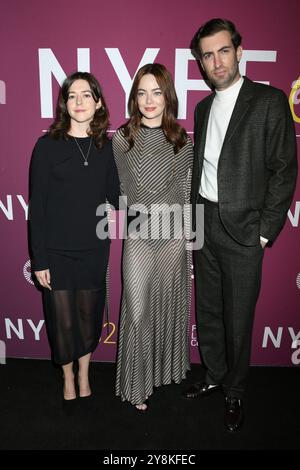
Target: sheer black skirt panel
<point>74,307</point>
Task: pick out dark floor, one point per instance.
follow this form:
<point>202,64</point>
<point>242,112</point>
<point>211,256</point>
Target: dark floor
<point>33,417</point>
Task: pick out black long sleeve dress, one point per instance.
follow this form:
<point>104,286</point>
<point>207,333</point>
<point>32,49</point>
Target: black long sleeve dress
<point>64,196</point>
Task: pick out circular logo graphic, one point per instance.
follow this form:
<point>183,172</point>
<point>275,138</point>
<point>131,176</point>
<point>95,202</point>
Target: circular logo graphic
<point>27,272</point>
<point>298,281</point>
<point>294,99</point>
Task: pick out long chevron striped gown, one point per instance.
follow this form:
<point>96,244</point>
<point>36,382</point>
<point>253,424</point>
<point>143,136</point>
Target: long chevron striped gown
<point>153,347</point>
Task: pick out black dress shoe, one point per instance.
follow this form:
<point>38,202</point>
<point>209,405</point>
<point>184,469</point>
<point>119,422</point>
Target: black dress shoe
<point>234,415</point>
<point>69,407</point>
<point>200,390</point>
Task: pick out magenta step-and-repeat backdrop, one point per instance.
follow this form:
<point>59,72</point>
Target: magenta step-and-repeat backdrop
<point>42,42</point>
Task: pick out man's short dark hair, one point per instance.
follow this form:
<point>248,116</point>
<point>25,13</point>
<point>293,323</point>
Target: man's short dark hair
<point>212,27</point>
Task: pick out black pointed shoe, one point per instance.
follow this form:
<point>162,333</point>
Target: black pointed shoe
<point>234,415</point>
<point>200,390</point>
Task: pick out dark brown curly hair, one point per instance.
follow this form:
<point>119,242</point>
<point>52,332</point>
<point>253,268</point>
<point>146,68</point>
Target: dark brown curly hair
<point>62,122</point>
<point>174,133</point>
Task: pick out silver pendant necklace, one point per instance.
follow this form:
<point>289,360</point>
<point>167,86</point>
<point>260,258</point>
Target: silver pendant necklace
<point>85,157</point>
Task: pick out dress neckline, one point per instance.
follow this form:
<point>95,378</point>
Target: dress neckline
<point>75,137</point>
<point>148,127</point>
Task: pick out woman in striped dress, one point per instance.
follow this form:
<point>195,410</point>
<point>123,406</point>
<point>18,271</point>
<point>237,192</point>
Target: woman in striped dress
<point>154,159</point>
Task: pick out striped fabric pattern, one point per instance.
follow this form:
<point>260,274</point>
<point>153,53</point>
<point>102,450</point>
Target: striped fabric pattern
<point>153,346</point>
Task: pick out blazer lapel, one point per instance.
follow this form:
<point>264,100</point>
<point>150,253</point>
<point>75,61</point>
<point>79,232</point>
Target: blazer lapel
<point>202,128</point>
<point>240,110</point>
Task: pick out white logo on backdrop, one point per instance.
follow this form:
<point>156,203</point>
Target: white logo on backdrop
<point>27,272</point>
<point>296,86</point>
<point>275,337</point>
<point>49,65</point>
<point>271,338</point>
<point>8,207</point>
<point>16,328</point>
<point>194,337</point>
<point>294,217</point>
<point>296,354</point>
<point>2,92</point>
<point>298,280</point>
<point>2,352</point>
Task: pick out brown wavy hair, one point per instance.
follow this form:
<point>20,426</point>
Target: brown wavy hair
<point>62,123</point>
<point>174,133</point>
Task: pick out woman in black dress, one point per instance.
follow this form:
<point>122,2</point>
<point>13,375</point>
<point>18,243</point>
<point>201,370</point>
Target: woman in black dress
<point>72,173</point>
